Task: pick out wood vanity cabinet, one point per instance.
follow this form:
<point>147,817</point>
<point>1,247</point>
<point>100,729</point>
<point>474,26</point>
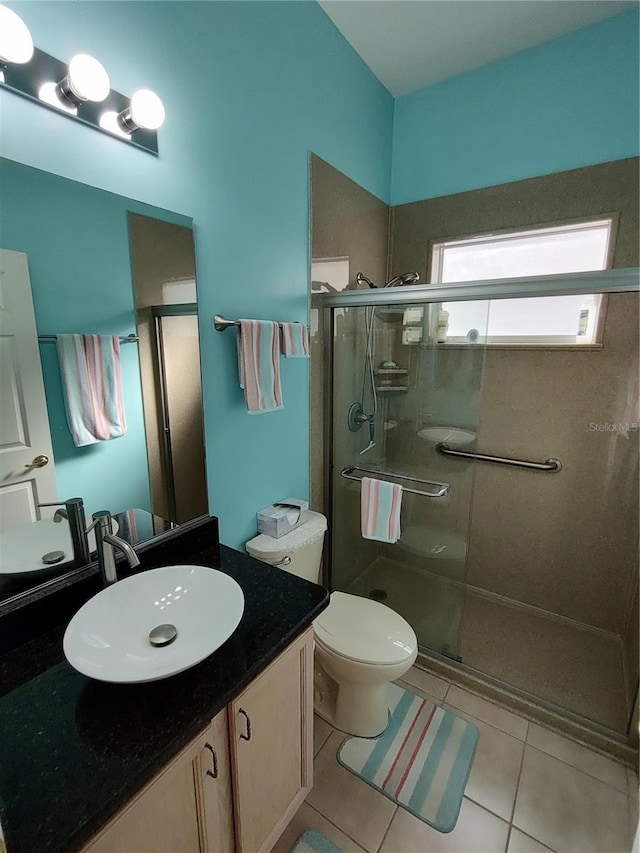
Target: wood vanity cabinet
<point>271,739</point>
<point>239,783</point>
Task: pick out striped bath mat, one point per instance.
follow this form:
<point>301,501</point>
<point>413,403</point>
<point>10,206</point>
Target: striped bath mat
<point>421,761</point>
<point>314,842</point>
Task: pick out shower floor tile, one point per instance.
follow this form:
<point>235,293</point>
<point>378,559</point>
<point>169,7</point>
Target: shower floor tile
<point>563,663</point>
<point>557,661</point>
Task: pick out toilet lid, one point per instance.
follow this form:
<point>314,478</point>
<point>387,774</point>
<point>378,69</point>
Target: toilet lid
<point>364,630</point>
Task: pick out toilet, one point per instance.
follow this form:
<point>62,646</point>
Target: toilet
<point>361,646</point>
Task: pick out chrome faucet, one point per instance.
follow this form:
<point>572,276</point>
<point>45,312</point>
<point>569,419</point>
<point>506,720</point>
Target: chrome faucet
<point>73,511</point>
<point>106,541</point>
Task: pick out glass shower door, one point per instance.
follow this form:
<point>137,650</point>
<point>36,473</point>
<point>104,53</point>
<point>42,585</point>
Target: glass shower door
<point>398,394</point>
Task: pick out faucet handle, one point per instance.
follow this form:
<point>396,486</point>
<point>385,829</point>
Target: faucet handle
<point>74,505</point>
<point>103,518</point>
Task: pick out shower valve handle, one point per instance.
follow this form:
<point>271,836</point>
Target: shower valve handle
<point>371,429</point>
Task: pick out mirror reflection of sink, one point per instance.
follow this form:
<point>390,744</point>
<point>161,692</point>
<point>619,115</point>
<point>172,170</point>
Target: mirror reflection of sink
<point>109,637</point>
<point>451,436</point>
<point>22,548</point>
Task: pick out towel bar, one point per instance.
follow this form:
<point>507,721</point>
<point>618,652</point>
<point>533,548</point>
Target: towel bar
<point>124,339</point>
<point>221,324</point>
<point>443,488</point>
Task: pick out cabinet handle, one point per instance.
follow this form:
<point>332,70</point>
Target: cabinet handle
<point>214,758</point>
<point>248,721</point>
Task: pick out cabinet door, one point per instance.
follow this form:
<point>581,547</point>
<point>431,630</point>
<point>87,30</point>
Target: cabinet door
<point>163,817</point>
<point>213,789</point>
<point>271,731</point>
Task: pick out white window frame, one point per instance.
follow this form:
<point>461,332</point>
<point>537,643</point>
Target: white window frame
<point>436,256</point>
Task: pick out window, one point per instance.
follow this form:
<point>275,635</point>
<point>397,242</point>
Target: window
<point>329,274</point>
<point>542,251</point>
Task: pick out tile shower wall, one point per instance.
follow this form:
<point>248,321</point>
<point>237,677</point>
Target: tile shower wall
<point>540,540</point>
<point>346,221</point>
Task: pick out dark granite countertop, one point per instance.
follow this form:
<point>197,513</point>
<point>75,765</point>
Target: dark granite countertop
<point>73,750</point>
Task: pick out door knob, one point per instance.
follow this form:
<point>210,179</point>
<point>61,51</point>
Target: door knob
<point>38,462</point>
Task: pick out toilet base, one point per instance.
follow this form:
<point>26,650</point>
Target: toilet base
<point>361,710</point>
<point>360,716</point>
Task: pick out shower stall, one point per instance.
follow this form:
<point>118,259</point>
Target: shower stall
<point>518,558</point>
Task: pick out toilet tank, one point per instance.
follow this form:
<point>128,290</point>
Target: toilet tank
<point>298,552</point>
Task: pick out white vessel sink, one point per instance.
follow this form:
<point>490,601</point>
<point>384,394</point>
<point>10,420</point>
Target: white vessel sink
<point>22,548</point>
<point>108,638</point>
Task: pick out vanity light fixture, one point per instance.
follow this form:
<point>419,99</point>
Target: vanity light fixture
<point>82,91</point>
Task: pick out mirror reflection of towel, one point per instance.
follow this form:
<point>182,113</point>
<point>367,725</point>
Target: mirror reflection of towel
<point>90,368</point>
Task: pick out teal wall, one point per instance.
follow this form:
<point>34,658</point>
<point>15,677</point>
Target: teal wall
<point>249,88</point>
<point>76,239</point>
<point>567,103</point>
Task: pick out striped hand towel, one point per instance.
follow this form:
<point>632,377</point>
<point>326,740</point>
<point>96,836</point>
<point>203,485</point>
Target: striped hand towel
<point>90,368</point>
<point>259,365</point>
<point>294,340</point>
<point>380,504</point>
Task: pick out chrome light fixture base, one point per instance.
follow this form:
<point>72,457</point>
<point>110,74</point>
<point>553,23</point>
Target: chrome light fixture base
<point>27,79</point>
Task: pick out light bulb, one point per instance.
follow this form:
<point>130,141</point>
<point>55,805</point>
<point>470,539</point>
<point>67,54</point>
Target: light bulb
<point>109,121</point>
<point>48,93</point>
<point>87,80</point>
<point>16,44</point>
<point>146,110</point>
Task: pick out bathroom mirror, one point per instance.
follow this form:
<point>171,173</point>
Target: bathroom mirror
<point>99,263</point>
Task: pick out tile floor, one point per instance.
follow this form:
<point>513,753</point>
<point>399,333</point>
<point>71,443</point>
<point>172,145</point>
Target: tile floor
<point>530,791</point>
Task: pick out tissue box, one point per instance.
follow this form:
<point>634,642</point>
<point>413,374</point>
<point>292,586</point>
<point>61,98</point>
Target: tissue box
<point>281,518</point>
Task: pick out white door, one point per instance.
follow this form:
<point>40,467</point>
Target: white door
<point>24,423</point>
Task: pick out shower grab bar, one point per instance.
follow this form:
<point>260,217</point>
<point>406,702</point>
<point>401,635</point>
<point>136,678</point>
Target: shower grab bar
<point>551,465</point>
<point>443,488</point>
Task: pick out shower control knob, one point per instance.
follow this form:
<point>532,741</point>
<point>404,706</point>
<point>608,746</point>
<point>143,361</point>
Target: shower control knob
<point>356,417</point>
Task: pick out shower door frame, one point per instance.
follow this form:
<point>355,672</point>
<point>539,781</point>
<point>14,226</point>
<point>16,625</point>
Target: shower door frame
<point>622,280</point>
<point>158,313</point>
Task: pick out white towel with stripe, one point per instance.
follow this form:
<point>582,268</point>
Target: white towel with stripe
<point>380,505</point>
<point>294,340</point>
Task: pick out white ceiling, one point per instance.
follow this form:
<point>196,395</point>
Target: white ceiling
<point>409,44</point>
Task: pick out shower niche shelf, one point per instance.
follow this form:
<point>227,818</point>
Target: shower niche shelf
<point>391,380</point>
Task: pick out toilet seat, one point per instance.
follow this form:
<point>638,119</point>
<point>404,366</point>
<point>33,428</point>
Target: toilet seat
<point>364,631</point>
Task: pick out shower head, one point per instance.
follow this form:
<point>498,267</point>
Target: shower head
<point>362,279</point>
<point>405,278</point>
